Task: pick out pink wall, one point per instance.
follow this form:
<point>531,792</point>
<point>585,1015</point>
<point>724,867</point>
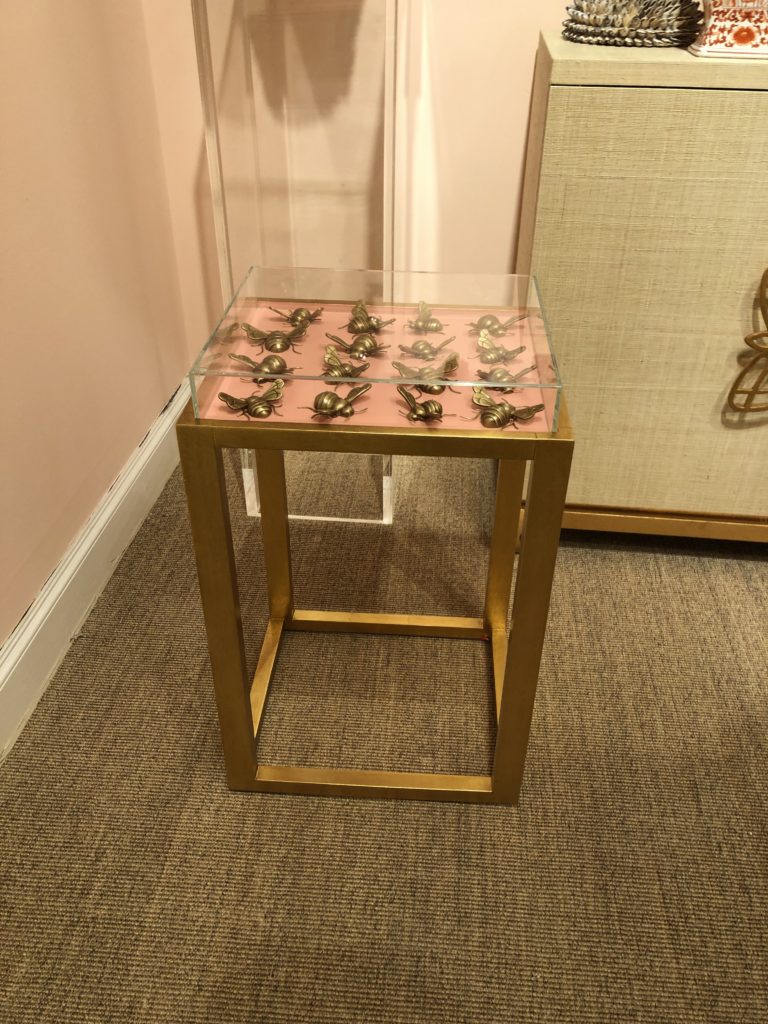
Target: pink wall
<point>93,322</point>
<point>108,260</point>
<point>477,66</point>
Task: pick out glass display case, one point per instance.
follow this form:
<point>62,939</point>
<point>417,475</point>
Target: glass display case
<point>381,349</point>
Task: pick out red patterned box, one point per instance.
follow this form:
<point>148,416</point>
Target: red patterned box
<point>733,28</point>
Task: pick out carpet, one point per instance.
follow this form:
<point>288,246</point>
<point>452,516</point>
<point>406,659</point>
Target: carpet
<point>630,885</point>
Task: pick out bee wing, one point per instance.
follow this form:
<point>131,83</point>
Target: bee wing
<point>273,393</point>
<point>450,365</point>
<point>332,357</point>
<point>405,371</point>
<point>355,393</point>
<point>527,412</point>
<point>338,341</point>
<point>424,311</point>
<point>522,373</point>
<point>485,341</point>
<point>245,360</point>
<point>481,398</point>
<point>407,396</point>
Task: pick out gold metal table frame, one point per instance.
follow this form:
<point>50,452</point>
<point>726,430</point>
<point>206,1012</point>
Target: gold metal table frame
<point>516,657</point>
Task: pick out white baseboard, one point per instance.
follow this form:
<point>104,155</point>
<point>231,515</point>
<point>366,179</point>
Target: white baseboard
<point>35,649</point>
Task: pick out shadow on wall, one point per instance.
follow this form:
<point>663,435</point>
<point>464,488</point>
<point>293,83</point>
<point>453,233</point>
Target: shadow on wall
<point>322,36</point>
<point>299,91</point>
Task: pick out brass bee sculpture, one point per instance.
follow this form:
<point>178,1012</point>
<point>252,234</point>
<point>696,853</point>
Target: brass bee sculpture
<point>256,406</point>
<point>490,352</point>
<point>425,323</point>
<point>334,367</point>
<point>491,323</point>
<point>500,414</point>
<point>424,376</point>
<point>498,375</point>
<point>301,315</point>
<point>361,321</point>
<point>427,412</point>
<point>361,347</point>
<point>422,349</point>
<point>272,365</point>
<point>275,341</point>
<point>329,404</point>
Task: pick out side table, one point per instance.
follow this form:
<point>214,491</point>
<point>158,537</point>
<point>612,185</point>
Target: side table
<point>515,658</point>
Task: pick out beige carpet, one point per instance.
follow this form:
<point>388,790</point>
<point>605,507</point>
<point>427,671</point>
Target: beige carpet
<point>631,885</point>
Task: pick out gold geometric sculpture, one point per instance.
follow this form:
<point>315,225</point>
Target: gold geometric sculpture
<point>749,392</point>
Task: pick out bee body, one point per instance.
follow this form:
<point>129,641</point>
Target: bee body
<point>335,368</point>
<point>498,415</point>
<point>367,324</point>
<point>298,316</point>
<point>428,411</point>
<point>425,323</point>
<point>272,365</point>
<point>424,376</point>
<point>274,341</point>
<point>490,352</point>
<point>361,321</point>
<point>498,375</point>
<point>330,404</point>
<point>361,347</point>
<point>423,349</point>
<point>256,406</point>
<point>491,323</point>
<point>430,326</point>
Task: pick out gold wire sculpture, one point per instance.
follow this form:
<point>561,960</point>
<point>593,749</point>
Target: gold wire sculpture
<point>749,392</point>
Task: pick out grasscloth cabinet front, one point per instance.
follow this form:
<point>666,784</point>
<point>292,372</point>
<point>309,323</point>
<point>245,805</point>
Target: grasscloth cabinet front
<point>645,220</point>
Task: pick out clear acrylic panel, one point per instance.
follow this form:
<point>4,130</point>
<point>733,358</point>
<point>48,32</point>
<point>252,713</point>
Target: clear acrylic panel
<point>298,97</point>
<point>393,348</point>
<point>299,108</point>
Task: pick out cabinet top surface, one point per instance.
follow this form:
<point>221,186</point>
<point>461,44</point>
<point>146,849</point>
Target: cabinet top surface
<point>582,64</point>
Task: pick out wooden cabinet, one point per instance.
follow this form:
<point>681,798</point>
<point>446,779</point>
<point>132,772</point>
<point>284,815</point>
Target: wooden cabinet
<point>645,220</point>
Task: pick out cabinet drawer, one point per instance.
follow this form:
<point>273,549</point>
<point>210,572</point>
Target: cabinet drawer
<point>650,237</point>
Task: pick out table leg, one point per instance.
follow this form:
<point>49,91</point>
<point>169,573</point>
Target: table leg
<point>535,570</point>
<point>501,562</point>
<point>203,470</point>
<point>270,469</point>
